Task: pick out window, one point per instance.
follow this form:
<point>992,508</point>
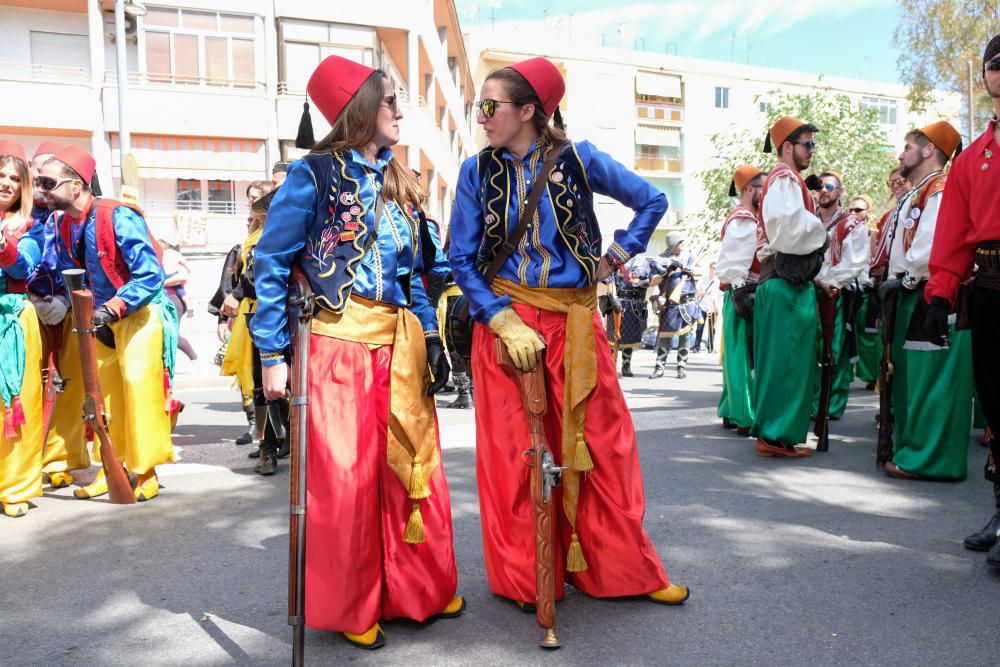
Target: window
<point>721,98</point>
<point>886,108</point>
<point>220,197</point>
<point>306,43</point>
<point>189,47</point>
<point>188,194</point>
<point>60,49</point>
<point>765,107</point>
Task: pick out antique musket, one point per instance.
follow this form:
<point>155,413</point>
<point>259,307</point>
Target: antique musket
<point>883,449</point>
<point>119,487</point>
<point>301,304</point>
<point>545,474</point>
<point>828,319</point>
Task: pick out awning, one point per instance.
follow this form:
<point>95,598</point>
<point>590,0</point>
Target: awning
<point>648,135</point>
<point>658,85</point>
<point>207,158</point>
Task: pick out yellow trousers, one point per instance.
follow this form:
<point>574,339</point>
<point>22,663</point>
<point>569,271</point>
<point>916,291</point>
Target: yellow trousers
<point>131,377</point>
<point>66,446</point>
<point>21,457</point>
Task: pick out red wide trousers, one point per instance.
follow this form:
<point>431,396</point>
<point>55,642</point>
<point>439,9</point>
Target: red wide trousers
<point>621,559</point>
<point>358,568</point>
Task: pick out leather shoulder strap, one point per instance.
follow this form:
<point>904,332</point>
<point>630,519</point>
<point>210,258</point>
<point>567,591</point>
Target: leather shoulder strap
<point>507,248</point>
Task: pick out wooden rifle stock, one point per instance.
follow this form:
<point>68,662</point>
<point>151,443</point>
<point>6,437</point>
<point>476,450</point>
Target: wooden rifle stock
<point>883,449</point>
<point>302,304</point>
<point>827,319</point>
<point>544,475</point>
<point>53,382</point>
<point>119,487</point>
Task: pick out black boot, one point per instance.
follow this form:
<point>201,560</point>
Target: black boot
<point>984,539</point>
<point>247,437</point>
<point>661,362</point>
<point>681,372</point>
<point>267,463</point>
<point>627,362</point>
<point>993,557</point>
<point>464,386</point>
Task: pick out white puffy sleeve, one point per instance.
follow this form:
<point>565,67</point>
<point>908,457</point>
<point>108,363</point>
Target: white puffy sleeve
<point>854,258</point>
<point>919,254</point>
<point>790,227</point>
<point>736,254</point>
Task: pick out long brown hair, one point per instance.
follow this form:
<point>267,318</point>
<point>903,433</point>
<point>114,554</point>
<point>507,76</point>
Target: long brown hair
<point>355,128</point>
<point>22,207</point>
<point>521,93</point>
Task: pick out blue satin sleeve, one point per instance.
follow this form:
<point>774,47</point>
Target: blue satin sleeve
<point>283,238</point>
<point>46,280</point>
<point>441,266</point>
<point>137,250</point>
<point>466,234</point>
<point>29,252</point>
<point>611,178</point>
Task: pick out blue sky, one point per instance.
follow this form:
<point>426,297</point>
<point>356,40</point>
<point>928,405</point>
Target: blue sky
<point>849,38</point>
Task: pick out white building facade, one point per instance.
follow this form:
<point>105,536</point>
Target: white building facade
<point>656,113</point>
<point>216,90</point>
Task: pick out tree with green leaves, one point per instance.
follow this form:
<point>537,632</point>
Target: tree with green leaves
<point>936,40</point>
<point>850,143</point>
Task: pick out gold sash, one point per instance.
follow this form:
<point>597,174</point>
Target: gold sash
<point>580,369</point>
<point>412,450</point>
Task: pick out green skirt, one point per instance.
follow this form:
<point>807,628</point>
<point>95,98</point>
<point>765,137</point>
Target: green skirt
<point>932,402</point>
<point>784,333</point>
<point>869,345</point>
<point>736,401</point>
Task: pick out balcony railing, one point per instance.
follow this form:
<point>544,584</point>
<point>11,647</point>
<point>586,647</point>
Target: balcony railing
<point>201,83</point>
<point>46,73</point>
<point>668,112</point>
<point>659,165</point>
<point>167,207</point>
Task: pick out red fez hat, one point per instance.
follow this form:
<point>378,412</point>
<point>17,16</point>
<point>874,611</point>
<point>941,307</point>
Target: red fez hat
<point>784,128</point>
<point>544,79</point>
<point>78,160</point>
<point>12,148</point>
<point>47,148</point>
<point>334,84</point>
<point>742,177</point>
<point>943,135</point>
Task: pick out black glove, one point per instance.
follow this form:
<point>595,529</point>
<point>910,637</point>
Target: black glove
<point>936,321</point>
<point>102,317</point>
<point>887,288</point>
<point>743,300</point>
<point>616,303</point>
<point>437,359</point>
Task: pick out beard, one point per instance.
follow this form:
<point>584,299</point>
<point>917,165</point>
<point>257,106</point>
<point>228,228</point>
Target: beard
<point>905,170</point>
<point>755,201</point>
<point>56,203</point>
<point>802,163</point>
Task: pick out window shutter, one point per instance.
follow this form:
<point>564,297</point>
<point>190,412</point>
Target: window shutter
<point>65,50</point>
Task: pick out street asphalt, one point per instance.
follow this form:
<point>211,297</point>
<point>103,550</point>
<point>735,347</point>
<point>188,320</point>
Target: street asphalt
<point>823,561</point>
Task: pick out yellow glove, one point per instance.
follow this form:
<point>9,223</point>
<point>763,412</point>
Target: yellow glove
<point>522,341</point>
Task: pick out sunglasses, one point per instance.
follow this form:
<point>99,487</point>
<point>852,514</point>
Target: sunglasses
<point>810,145</point>
<point>489,107</point>
<point>391,102</point>
<point>893,182</point>
<point>857,210</point>
<point>992,65</point>
<point>47,184</point>
<point>829,187</point>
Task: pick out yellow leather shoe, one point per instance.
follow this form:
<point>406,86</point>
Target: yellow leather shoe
<point>97,488</point>
<point>15,510</point>
<point>671,595</point>
<point>372,639</point>
<point>147,487</point>
<point>453,609</point>
<point>60,480</point>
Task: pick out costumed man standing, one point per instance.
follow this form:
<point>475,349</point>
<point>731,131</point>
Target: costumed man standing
<point>632,284</point>
<point>967,236</point>
<point>785,318</point>
<point>932,385</point>
<point>378,517</point>
<point>66,440</point>
<point>846,260</point>
<point>136,325</point>
<point>739,273</point>
<point>544,297</point>
<point>20,342</point>
<point>678,306</point>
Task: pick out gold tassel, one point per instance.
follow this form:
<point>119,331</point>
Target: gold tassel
<point>574,559</point>
<point>414,527</point>
<point>418,482</point>
<point>581,458</point>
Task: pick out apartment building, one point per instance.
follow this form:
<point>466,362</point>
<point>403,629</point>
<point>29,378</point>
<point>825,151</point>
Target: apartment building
<point>657,113</point>
<point>215,91</point>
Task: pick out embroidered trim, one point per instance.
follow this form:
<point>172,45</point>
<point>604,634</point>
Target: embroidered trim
<point>272,356</point>
<point>617,253</point>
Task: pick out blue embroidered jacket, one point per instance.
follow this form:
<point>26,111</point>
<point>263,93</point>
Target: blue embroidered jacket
<point>321,219</point>
<point>45,279</point>
<point>562,247</point>
<point>136,249</point>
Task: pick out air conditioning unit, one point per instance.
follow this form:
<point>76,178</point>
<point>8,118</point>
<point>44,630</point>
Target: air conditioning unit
<point>131,27</point>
